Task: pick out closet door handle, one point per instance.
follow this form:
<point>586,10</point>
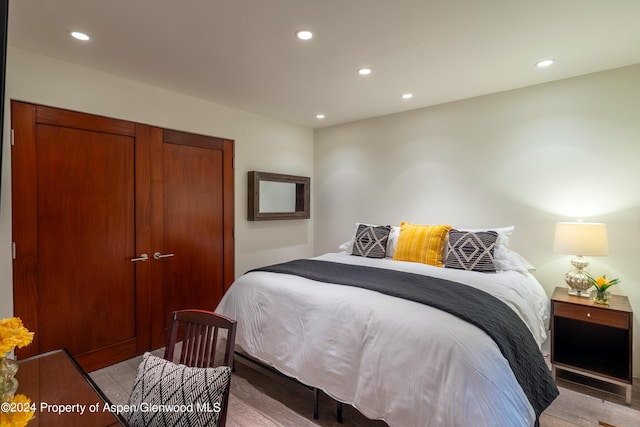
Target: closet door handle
<point>158,255</point>
<point>143,257</point>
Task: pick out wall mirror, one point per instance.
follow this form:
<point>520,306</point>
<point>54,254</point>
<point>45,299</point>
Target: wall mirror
<point>278,196</point>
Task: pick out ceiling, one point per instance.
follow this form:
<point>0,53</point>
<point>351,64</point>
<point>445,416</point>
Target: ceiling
<point>244,53</point>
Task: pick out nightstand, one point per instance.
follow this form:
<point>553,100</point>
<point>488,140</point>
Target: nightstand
<point>591,339</point>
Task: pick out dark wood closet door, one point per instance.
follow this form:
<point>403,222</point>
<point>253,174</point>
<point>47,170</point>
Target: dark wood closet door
<point>85,239</point>
<point>74,229</point>
<point>191,200</point>
<point>91,195</point>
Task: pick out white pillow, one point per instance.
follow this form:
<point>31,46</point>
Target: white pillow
<point>345,246</point>
<point>519,263</point>
<point>391,242</point>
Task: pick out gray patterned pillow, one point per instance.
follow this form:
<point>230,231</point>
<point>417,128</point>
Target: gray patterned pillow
<point>471,250</point>
<point>371,241</point>
<point>189,396</point>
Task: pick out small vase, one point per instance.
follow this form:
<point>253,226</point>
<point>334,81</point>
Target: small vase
<point>8,381</point>
<point>601,297</point>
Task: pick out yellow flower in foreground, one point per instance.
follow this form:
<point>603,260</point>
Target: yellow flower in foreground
<point>13,334</point>
<point>18,418</point>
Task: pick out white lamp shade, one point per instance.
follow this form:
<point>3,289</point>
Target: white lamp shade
<point>581,238</point>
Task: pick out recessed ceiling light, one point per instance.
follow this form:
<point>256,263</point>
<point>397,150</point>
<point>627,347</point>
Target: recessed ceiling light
<point>407,96</point>
<point>79,36</point>
<point>364,71</point>
<point>319,116</point>
<point>304,34</point>
<point>544,63</point>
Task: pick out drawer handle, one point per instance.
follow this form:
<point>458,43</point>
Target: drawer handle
<point>588,314</point>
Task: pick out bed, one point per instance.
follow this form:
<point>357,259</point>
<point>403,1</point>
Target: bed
<point>394,359</point>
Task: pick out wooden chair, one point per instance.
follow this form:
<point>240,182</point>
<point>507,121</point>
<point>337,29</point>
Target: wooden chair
<point>199,343</point>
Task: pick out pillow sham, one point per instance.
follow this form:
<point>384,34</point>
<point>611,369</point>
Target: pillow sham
<point>393,240</point>
<point>421,243</point>
<point>518,263</point>
<point>371,241</point>
<point>471,251</point>
<point>161,382</point>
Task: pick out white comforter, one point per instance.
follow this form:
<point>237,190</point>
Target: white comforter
<point>393,359</point>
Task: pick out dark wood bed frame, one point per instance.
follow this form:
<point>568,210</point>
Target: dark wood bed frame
<point>315,390</point>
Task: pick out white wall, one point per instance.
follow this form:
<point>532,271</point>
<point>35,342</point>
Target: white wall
<point>528,157</point>
<point>261,143</point>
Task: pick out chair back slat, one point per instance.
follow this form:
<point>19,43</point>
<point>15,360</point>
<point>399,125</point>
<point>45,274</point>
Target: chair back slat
<point>200,343</point>
<point>213,344</point>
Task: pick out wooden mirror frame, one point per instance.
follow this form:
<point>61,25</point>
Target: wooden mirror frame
<point>303,191</point>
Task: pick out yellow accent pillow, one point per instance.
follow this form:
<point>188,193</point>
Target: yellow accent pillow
<point>421,243</point>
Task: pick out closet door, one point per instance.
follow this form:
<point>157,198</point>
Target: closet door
<point>94,199</point>
<point>74,217</point>
<point>192,195</point>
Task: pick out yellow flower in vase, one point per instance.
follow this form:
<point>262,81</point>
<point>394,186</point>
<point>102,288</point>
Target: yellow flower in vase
<point>22,411</point>
<point>601,284</point>
<point>13,334</point>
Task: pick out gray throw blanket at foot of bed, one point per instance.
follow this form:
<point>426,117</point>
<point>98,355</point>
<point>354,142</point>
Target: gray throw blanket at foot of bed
<point>475,306</point>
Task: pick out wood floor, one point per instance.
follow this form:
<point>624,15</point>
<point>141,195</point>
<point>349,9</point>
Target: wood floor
<point>260,397</point>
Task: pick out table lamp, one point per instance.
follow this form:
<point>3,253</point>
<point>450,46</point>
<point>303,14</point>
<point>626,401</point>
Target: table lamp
<point>580,239</point>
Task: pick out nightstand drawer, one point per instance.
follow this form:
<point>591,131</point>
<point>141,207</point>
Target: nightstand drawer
<point>592,314</point>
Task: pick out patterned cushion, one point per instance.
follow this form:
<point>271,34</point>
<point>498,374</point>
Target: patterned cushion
<point>471,250</point>
<point>193,396</point>
<point>421,243</point>
<point>391,241</point>
<point>371,241</point>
